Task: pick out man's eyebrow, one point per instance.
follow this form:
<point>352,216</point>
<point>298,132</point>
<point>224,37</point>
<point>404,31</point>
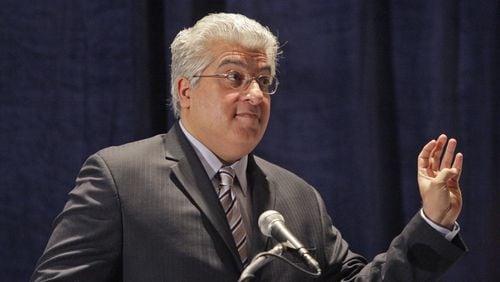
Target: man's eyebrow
<point>230,61</point>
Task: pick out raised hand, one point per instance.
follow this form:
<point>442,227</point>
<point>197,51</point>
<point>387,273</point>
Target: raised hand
<point>438,181</point>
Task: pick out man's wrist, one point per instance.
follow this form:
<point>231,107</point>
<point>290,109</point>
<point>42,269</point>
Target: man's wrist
<point>448,234</point>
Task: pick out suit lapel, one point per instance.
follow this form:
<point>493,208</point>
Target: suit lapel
<point>263,198</point>
<point>194,182</point>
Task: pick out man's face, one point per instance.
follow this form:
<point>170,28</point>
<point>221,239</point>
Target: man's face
<point>230,122</point>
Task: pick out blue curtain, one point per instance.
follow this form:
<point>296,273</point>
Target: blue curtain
<point>364,85</point>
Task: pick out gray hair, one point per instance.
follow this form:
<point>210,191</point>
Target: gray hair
<point>189,48</point>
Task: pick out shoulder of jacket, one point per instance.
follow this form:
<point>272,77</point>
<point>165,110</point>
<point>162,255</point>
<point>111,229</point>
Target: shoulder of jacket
<point>274,171</point>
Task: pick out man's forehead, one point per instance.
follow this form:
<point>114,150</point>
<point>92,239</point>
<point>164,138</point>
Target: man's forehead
<point>221,47</point>
<point>228,53</point>
<point>245,62</point>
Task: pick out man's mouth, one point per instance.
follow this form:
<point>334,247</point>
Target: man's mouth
<point>248,115</point>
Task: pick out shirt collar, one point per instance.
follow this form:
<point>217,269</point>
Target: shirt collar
<point>211,162</point>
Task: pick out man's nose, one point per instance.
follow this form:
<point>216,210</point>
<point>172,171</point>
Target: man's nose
<point>254,94</point>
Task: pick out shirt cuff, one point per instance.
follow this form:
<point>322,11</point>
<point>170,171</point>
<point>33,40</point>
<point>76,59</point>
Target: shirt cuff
<point>448,234</point>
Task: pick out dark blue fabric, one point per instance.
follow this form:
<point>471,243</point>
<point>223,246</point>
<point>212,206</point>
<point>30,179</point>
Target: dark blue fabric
<point>72,80</point>
<point>364,85</point>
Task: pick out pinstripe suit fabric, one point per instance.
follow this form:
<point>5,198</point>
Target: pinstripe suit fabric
<point>147,211</point>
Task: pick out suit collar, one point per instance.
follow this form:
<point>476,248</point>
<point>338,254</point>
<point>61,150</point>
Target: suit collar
<point>263,198</point>
<point>212,163</point>
<point>197,186</point>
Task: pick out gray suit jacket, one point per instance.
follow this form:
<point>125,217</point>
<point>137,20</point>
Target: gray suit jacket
<point>147,211</point>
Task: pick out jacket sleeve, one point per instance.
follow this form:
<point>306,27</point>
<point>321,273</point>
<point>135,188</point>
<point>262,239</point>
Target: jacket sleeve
<point>85,244</point>
<point>419,253</point>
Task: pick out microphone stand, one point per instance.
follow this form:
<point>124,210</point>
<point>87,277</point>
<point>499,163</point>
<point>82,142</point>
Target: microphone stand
<point>259,261</point>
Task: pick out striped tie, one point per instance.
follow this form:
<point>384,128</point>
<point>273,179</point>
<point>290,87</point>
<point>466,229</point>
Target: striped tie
<point>232,210</point>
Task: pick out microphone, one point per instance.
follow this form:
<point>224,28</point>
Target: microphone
<point>272,224</point>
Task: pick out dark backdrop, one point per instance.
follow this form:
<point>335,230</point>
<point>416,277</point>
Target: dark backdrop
<point>364,85</point>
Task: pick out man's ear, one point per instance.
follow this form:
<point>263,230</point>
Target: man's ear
<point>184,90</point>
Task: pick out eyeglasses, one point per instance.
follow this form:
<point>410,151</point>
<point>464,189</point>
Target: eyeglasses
<point>240,81</point>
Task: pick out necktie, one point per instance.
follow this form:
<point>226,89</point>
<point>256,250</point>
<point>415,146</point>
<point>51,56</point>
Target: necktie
<point>228,201</point>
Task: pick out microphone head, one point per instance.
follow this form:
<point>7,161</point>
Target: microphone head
<point>267,220</point>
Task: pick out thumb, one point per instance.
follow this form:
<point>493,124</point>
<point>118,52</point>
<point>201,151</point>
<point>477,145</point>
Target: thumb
<point>445,174</point>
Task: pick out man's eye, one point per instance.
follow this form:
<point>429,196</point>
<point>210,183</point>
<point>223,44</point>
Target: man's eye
<point>265,80</point>
<point>235,76</point>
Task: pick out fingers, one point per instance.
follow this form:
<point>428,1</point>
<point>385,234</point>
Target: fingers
<point>448,154</point>
<point>457,164</point>
<point>435,158</point>
<point>423,157</point>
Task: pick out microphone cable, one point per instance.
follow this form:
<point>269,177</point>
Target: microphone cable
<point>245,276</point>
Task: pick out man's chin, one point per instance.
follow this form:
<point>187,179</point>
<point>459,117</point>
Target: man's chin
<point>248,136</point>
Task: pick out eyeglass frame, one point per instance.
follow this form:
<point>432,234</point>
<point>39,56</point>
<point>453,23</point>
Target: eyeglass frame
<point>245,82</point>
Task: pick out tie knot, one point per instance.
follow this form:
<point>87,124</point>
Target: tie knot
<point>226,175</point>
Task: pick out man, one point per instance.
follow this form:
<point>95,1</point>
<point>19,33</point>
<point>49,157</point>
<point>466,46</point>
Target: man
<point>184,206</point>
